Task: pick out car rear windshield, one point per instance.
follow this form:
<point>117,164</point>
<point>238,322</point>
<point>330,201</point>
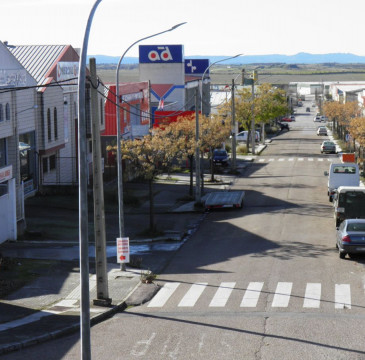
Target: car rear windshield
<point>220,152</point>
<point>356,227</point>
<point>343,169</point>
<point>354,199</point>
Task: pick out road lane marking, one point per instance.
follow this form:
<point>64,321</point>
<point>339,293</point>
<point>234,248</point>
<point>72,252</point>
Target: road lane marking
<point>163,295</point>
<point>252,294</point>
<point>312,297</point>
<point>222,294</point>
<point>282,294</point>
<point>342,296</point>
<point>193,294</point>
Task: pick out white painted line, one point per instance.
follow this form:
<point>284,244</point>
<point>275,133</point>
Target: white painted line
<point>163,295</point>
<point>300,159</point>
<point>281,159</point>
<point>252,294</point>
<point>271,159</point>
<point>312,295</point>
<point>310,159</point>
<point>67,303</point>
<point>342,296</point>
<point>291,159</point>
<point>282,294</point>
<point>193,294</point>
<point>222,294</point>
<point>320,159</point>
<point>261,160</point>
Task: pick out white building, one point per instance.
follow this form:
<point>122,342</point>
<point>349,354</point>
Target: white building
<point>18,170</point>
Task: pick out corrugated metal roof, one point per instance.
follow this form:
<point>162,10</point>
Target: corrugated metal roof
<point>38,59</point>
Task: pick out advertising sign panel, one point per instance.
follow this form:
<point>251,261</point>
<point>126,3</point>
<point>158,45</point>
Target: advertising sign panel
<point>67,70</point>
<point>149,54</point>
<point>196,66</point>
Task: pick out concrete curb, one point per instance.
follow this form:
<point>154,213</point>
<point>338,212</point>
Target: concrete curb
<point>97,318</point>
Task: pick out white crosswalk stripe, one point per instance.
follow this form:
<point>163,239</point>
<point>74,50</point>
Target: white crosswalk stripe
<point>309,159</point>
<point>282,294</point>
<point>193,294</point>
<point>342,296</point>
<point>312,295</point>
<point>252,294</point>
<point>280,299</point>
<point>222,295</point>
<point>163,295</point>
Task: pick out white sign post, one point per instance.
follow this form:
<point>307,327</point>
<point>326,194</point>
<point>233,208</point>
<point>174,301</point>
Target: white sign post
<point>123,250</point>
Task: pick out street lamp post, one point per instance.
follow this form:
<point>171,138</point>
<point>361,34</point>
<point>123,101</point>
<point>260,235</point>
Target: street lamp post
<point>197,163</point>
<point>83,209</point>
<point>119,154</point>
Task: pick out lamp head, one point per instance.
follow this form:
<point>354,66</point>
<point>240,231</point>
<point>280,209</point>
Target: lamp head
<point>177,25</point>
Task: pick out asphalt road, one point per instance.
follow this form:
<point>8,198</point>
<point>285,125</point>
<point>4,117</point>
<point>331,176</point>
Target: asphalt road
<point>264,282</point>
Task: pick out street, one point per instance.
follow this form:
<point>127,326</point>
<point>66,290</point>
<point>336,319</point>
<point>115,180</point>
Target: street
<point>262,282</point>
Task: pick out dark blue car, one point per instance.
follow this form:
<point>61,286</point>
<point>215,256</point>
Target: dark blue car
<point>220,157</point>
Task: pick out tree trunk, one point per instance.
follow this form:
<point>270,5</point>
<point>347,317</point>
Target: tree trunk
<point>211,166</point>
<point>152,220</point>
<point>191,162</point>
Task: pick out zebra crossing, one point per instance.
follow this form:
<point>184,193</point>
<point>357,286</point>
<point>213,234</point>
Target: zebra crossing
<point>281,295</point>
<point>296,159</point>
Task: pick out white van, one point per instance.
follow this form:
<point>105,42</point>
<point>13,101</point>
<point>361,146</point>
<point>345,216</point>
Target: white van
<point>242,136</point>
<point>343,174</point>
<point>349,203</point>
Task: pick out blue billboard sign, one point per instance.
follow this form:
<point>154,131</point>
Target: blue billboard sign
<point>196,66</point>
<point>160,54</point>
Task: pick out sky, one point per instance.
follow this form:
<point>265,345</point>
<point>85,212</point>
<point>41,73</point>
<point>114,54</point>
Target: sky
<point>215,27</point>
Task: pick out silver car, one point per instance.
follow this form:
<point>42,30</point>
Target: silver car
<point>350,237</point>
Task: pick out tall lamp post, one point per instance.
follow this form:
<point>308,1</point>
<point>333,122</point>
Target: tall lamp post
<point>119,154</point>
<point>83,209</point>
<point>197,162</point>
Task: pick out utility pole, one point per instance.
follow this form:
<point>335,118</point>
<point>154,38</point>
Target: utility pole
<point>98,191</point>
<point>253,131</point>
<point>197,150</point>
<point>233,128</point>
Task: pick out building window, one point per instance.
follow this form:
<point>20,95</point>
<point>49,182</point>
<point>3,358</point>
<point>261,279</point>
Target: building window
<point>2,153</point>
<point>1,113</point>
<point>101,112</point>
<point>7,111</point>
<point>55,123</point>
<point>49,125</point>
<point>45,165</point>
<point>52,162</point>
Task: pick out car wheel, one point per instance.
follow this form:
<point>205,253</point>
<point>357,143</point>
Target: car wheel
<point>342,255</point>
<point>336,245</point>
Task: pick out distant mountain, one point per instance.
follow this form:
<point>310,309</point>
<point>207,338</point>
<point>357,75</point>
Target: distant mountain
<point>300,58</point>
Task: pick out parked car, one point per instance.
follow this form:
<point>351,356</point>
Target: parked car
<point>349,203</point>
<point>242,136</point>
<point>317,118</point>
<point>328,147</point>
<point>286,119</point>
<point>350,237</point>
<point>292,117</point>
<point>283,126</point>
<point>324,118</point>
<point>308,109</point>
<point>322,130</point>
<point>220,157</point>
